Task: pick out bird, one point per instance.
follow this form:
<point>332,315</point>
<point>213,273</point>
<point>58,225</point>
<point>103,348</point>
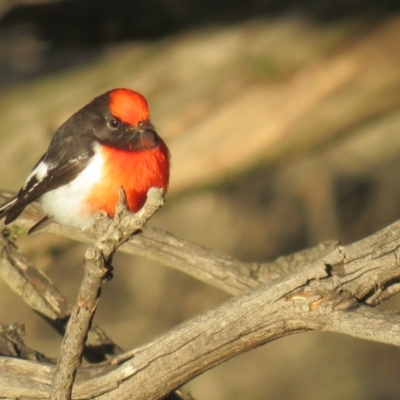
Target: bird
<point>108,144</point>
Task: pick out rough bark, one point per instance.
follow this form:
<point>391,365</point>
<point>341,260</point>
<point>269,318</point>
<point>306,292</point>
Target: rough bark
<point>329,288</point>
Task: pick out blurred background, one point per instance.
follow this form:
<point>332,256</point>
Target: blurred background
<point>283,122</point>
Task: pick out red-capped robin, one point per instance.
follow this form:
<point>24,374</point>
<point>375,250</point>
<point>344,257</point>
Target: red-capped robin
<point>107,144</point>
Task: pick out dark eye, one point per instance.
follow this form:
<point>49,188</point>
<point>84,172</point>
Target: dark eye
<point>113,123</point>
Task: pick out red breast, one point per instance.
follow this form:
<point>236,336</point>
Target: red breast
<point>136,169</point>
<point>136,172</point>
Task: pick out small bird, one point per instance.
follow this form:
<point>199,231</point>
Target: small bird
<point>108,144</point>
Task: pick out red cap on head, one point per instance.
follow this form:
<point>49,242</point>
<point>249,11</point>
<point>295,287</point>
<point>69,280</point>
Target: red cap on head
<point>128,106</point>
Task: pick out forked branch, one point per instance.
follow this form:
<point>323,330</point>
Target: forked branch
<point>329,288</point>
<point>97,268</point>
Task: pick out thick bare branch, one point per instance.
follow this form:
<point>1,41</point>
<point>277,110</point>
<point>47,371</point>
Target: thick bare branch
<point>327,294</point>
<point>217,269</point>
<point>314,297</point>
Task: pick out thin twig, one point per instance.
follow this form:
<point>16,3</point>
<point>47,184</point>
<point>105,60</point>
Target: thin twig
<point>12,345</point>
<point>97,264</point>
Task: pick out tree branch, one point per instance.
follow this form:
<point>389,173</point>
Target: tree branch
<point>39,293</point>
<point>220,270</point>
<point>314,297</point>
<point>12,345</point>
<point>97,264</point>
<point>333,293</point>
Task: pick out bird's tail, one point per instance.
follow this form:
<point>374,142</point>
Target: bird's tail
<point>11,211</point>
<point>7,212</point>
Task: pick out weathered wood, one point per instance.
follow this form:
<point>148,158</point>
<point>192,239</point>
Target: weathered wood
<point>220,270</point>
<point>328,294</point>
<point>97,266</point>
<point>39,293</point>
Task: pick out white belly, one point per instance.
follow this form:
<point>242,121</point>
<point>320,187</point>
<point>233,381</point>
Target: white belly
<point>66,204</point>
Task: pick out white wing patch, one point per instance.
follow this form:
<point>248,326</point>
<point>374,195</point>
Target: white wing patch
<point>39,172</point>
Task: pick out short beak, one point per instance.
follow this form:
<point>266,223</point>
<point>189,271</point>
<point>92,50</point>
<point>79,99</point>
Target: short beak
<point>145,126</point>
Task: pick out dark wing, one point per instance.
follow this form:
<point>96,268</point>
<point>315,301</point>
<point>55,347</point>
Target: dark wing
<point>68,154</point>
<point>55,177</point>
<point>10,204</point>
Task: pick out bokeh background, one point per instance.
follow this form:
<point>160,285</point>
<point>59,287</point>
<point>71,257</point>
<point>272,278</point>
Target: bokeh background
<point>283,120</point>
